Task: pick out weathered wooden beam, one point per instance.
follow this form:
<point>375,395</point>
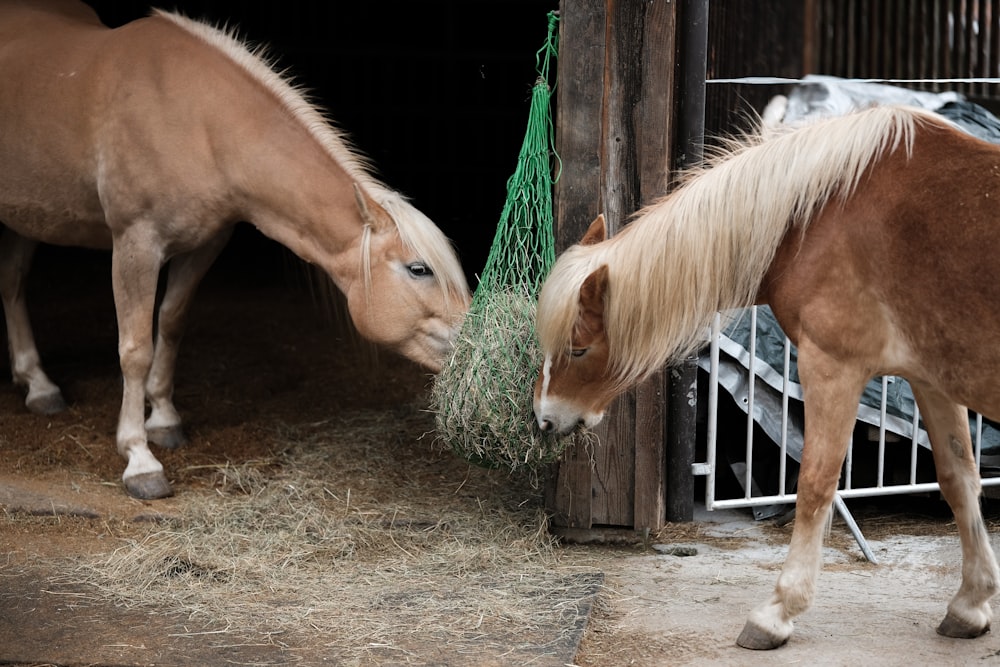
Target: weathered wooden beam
<point>614,136</point>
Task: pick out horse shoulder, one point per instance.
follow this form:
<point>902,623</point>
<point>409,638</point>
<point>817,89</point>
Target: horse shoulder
<point>820,283</point>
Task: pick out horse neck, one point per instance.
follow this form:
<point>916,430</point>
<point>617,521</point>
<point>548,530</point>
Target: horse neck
<point>670,278</point>
<point>297,194</point>
<point>286,171</point>
<point>693,269</point>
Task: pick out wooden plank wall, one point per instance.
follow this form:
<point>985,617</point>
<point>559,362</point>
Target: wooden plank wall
<point>912,39</point>
<point>616,126</point>
<point>764,38</point>
<point>882,39</point>
<point>615,101</point>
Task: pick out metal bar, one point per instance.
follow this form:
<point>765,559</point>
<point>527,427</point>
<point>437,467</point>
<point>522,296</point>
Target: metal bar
<point>845,513</point>
<point>929,44</point>
<point>751,383</point>
<point>783,464</point>
<point>712,429</point>
<point>883,406</point>
<point>978,442</point>
<point>861,492</point>
<point>849,467</point>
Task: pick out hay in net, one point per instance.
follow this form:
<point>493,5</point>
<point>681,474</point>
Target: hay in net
<point>482,398</point>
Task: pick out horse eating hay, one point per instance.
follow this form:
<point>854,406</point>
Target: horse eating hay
<point>154,140</point>
<point>874,238</point>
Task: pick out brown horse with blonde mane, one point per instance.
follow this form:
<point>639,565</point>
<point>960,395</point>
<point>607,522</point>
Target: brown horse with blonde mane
<point>874,237</point>
<point>154,140</point>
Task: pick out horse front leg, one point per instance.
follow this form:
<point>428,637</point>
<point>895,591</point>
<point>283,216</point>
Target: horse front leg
<point>135,267</point>
<point>831,391</point>
<point>969,612</point>
<point>183,277</point>
<point>43,396</point>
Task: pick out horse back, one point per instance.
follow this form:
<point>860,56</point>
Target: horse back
<point>903,276</point>
<point>99,124</point>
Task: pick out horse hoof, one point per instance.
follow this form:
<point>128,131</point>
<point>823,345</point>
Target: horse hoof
<point>168,437</point>
<point>756,638</point>
<point>952,626</point>
<point>148,486</point>
<point>46,404</point>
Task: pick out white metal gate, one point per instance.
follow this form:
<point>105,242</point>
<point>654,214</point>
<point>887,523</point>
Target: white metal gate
<point>747,398</point>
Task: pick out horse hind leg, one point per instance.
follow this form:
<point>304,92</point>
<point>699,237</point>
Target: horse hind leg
<point>185,272</point>
<point>969,613</point>
<point>831,393</point>
<point>43,396</point>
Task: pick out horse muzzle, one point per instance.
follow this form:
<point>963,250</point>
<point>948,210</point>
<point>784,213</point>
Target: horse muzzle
<point>564,422</point>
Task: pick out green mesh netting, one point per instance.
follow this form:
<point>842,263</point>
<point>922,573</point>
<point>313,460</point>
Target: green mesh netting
<point>482,398</point>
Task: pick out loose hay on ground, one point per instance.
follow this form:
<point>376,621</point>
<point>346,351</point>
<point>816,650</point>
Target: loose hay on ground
<point>329,539</point>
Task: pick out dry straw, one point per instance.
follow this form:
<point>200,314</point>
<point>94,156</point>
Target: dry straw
<point>338,540</point>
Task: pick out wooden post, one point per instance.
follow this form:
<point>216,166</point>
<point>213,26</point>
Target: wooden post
<point>682,397</point>
<point>615,135</point>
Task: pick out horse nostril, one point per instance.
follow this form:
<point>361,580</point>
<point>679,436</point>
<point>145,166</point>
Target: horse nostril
<point>545,425</point>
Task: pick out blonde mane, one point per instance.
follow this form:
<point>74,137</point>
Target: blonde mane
<point>706,247</point>
<point>416,230</point>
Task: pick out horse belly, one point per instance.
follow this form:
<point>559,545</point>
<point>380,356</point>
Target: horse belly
<point>56,227</point>
<point>48,187</point>
<point>963,363</point>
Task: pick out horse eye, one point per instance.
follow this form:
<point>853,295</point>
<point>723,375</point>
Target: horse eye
<point>419,270</point>
<point>578,351</point>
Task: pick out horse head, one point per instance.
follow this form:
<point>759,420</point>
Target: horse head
<point>575,384</point>
<point>412,296</point>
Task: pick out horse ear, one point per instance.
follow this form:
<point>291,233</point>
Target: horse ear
<point>371,212</point>
<point>597,232</point>
<point>592,293</point>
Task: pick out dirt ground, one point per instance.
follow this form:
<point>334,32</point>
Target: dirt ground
<point>669,610</point>
<point>259,354</point>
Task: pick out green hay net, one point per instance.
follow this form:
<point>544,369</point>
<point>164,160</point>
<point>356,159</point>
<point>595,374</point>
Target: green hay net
<point>482,398</point>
